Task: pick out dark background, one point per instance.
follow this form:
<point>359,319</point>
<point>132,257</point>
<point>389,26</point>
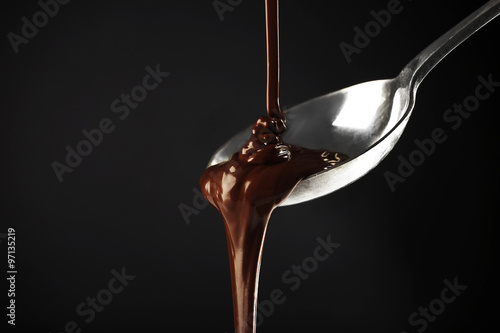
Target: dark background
<point>119,208</point>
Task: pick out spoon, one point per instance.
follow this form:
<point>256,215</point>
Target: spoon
<point>363,121</point>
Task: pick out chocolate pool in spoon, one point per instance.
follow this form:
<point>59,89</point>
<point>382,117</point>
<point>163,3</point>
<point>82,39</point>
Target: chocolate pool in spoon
<point>256,179</point>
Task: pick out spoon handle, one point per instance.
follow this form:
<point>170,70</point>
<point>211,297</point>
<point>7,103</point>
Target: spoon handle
<point>422,64</point>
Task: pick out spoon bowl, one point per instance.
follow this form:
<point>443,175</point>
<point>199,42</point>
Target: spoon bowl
<point>364,121</point>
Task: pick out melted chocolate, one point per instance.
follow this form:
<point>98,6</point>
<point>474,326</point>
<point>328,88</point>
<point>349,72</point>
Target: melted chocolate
<point>247,188</point>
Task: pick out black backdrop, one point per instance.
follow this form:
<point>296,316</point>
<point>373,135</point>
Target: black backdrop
<point>119,208</point>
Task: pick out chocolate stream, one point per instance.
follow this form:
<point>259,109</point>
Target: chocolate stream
<point>247,188</point>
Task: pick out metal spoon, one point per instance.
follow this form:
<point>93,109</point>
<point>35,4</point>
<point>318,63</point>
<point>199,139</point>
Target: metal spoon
<point>365,120</point>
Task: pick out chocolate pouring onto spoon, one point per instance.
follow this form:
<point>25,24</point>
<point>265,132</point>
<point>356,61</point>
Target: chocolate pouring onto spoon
<point>309,151</point>
<point>365,120</point>
<point>256,179</point>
